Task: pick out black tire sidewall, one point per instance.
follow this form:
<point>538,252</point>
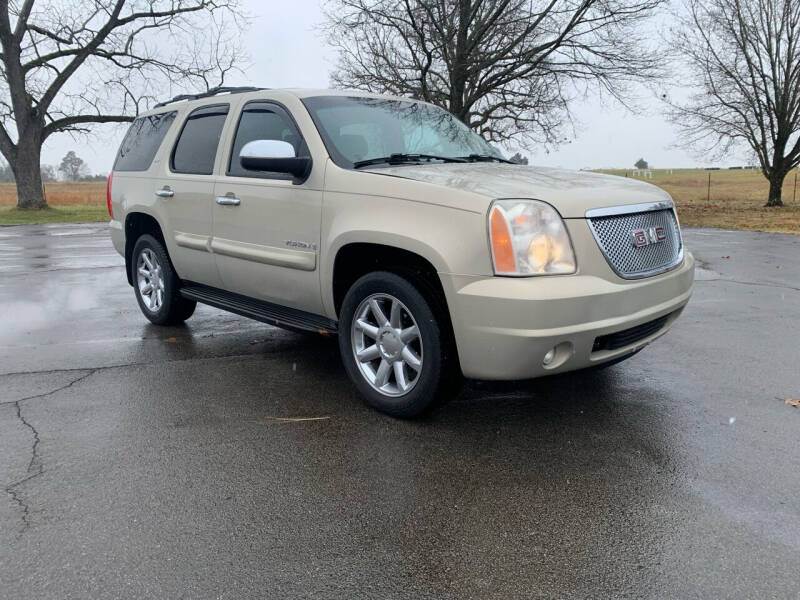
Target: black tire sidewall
<point>174,309</point>
<point>424,395</point>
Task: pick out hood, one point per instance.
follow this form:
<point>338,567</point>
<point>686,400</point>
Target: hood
<point>572,193</point>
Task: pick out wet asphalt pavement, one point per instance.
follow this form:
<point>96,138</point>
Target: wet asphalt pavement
<point>141,462</point>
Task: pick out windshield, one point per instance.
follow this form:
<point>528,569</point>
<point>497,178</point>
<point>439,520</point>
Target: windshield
<point>359,129</point>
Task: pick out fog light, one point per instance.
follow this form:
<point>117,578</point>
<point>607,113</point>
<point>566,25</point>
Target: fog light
<point>548,358</point>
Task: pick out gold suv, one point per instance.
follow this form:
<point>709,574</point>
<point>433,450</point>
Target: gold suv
<point>390,223</point>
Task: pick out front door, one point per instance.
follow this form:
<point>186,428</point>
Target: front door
<point>266,227</point>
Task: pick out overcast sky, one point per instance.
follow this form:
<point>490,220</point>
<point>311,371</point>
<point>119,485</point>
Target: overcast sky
<point>286,50</point>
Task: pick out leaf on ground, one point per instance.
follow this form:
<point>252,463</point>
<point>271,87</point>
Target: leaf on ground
<point>791,402</point>
<point>173,339</point>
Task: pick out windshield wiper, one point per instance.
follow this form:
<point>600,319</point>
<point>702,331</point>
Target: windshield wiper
<point>485,158</point>
<point>400,158</point>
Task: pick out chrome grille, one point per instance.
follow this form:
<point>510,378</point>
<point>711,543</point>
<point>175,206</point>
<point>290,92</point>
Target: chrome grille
<point>614,232</point>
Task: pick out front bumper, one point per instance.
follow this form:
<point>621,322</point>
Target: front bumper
<point>504,326</point>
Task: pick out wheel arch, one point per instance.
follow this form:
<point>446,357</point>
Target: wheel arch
<point>356,259</point>
<point>138,224</point>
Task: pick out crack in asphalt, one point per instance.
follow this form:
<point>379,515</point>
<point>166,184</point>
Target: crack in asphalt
<point>51,371</point>
<point>35,465</point>
<point>122,366</point>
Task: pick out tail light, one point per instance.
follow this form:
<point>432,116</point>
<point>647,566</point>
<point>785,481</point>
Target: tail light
<point>108,194</point>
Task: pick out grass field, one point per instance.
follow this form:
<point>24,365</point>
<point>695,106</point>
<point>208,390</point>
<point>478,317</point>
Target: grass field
<point>736,201</point>
<point>69,203</point>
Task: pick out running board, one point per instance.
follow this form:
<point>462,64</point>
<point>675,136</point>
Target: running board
<point>266,312</point>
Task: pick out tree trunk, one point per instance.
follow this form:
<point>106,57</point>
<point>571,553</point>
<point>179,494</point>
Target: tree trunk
<point>458,76</point>
<point>28,174</point>
<point>776,178</point>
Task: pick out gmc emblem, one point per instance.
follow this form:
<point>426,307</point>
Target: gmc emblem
<point>645,237</point>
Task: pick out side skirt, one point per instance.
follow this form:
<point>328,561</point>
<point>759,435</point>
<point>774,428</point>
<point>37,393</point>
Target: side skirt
<point>266,312</point>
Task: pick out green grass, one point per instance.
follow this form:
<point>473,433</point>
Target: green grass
<point>77,213</point>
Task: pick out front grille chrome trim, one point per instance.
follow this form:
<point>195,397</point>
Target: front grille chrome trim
<point>629,210</point>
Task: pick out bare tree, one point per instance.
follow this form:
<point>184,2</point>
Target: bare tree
<point>48,173</point>
<point>518,159</point>
<point>73,167</point>
<point>66,64</point>
<point>506,68</point>
<point>744,57</point>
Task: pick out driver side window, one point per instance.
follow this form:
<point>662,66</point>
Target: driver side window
<point>264,121</point>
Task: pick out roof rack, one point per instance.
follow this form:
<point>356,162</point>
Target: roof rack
<point>207,94</point>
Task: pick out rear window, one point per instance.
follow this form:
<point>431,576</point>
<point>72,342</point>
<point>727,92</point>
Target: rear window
<point>142,141</point>
<point>196,148</point>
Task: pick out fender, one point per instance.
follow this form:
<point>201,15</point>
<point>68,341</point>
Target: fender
<point>453,241</point>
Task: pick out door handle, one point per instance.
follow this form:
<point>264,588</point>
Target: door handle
<point>165,192</point>
<point>228,201</point>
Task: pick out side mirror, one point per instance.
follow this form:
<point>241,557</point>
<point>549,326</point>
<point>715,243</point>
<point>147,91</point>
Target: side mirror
<point>274,156</point>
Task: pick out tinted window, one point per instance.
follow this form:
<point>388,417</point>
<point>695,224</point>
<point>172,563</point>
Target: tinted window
<point>264,121</point>
<point>197,145</point>
<point>142,142</point>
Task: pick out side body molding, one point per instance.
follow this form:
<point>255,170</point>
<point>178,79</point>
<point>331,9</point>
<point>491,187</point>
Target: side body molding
<point>269,255</point>
<point>193,241</point>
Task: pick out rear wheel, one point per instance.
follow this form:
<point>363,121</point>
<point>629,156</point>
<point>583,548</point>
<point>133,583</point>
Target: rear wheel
<point>393,347</point>
<point>156,284</point>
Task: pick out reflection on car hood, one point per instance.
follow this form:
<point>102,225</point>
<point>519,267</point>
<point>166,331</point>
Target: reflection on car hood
<point>571,192</point>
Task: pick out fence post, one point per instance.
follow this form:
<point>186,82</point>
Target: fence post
<point>708,197</point>
<point>794,195</point>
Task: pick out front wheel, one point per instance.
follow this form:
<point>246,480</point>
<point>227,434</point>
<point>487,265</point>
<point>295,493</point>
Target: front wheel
<point>393,347</point>
<point>156,284</point>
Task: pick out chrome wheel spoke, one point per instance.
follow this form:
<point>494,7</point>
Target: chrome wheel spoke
<point>144,272</point>
<point>409,334</point>
<point>369,353</point>
<point>367,329</point>
<point>377,312</point>
<point>147,289</point>
<point>394,315</point>
<point>400,376</point>
<point>382,374</point>
<point>411,359</point>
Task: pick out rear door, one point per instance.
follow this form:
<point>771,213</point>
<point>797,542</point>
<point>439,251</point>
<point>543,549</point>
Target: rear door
<point>185,192</point>
<point>266,227</point>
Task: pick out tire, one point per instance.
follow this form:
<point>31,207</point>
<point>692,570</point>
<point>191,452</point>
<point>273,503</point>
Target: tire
<point>402,372</point>
<point>152,270</point>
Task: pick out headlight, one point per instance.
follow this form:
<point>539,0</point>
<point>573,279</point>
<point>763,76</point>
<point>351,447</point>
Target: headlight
<point>529,238</point>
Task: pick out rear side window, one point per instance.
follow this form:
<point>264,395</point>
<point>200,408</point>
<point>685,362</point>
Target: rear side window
<point>142,141</point>
<point>264,121</point>
<point>196,148</point>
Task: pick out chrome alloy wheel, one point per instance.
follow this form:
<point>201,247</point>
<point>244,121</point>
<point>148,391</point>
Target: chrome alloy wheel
<point>387,345</point>
<point>150,280</point>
